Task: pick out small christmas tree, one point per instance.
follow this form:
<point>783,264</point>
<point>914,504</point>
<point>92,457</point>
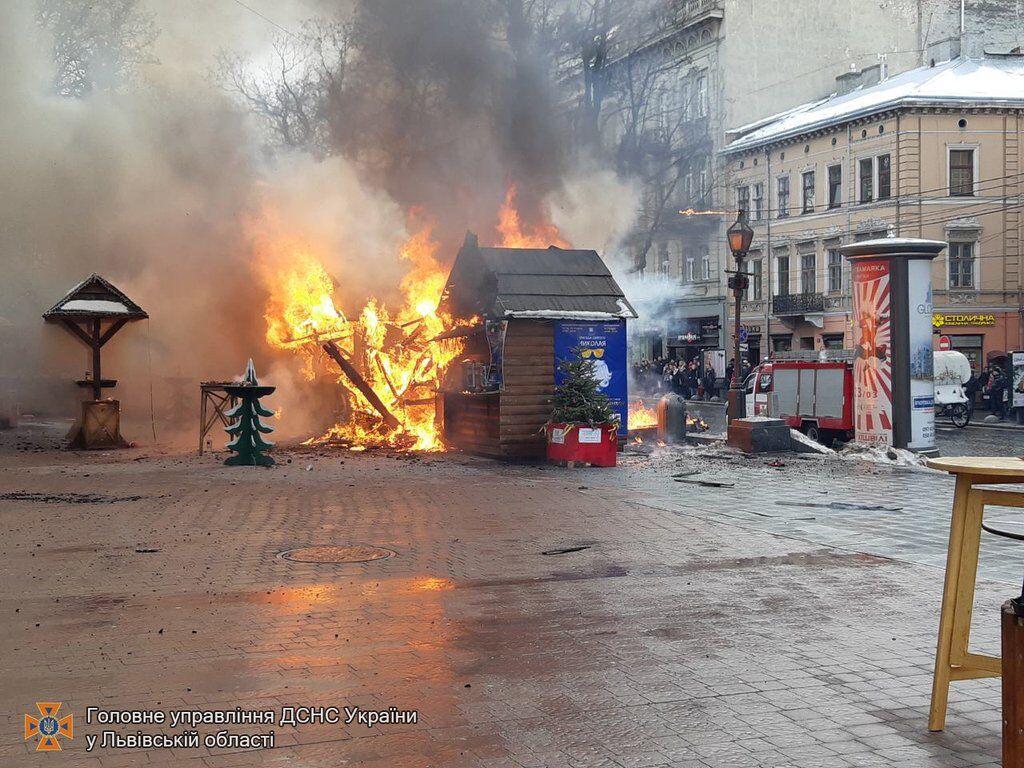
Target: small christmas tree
<point>577,398</point>
<point>248,444</point>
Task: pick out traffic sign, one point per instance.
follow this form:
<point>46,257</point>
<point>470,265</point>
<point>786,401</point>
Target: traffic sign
<point>945,344</point>
<point>743,334</point>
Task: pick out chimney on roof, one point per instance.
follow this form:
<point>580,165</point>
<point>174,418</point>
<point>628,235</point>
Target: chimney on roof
<point>471,241</point>
<point>871,75</point>
<point>852,80</point>
<point>943,50</point>
<point>847,81</point>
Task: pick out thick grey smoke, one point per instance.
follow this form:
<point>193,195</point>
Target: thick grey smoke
<point>155,185</point>
<point>163,185</point>
<point>449,101</point>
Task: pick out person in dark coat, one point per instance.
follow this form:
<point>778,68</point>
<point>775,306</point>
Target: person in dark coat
<point>679,380</point>
<point>983,381</point>
<point>691,381</point>
<point>710,383</point>
<point>971,388</point>
<point>998,388</point>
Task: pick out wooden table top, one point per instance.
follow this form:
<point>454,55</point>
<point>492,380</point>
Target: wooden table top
<point>1009,466</point>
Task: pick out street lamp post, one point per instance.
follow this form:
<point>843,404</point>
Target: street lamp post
<point>740,237</point>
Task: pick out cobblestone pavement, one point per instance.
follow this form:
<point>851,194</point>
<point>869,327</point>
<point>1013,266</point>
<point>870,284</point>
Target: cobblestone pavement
<point>700,627</point>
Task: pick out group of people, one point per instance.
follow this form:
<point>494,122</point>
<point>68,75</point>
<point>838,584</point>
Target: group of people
<point>996,387</point>
<point>690,380</point>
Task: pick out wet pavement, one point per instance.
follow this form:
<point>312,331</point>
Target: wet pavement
<point>671,624</point>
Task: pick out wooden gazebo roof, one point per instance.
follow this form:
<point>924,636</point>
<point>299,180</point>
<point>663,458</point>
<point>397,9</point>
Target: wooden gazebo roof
<point>95,298</point>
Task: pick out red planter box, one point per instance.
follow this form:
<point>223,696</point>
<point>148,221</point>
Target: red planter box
<point>583,444</point>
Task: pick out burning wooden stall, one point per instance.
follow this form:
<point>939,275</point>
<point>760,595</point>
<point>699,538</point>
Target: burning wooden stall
<point>531,306</point>
<point>93,311</point>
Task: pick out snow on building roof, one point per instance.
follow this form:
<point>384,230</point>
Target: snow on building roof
<point>989,82</point>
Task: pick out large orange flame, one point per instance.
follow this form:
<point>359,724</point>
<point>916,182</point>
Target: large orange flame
<point>393,352</point>
<point>516,234</point>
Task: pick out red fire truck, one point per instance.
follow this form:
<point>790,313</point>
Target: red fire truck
<point>811,391</point>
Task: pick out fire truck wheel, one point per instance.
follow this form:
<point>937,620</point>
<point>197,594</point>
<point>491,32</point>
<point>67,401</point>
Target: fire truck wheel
<point>812,431</point>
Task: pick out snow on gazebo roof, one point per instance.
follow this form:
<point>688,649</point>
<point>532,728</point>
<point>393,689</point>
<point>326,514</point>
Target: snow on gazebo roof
<point>995,82</point>
<point>95,297</point>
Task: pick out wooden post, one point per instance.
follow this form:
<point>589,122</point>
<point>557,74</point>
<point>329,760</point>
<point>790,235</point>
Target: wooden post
<point>202,417</point>
<point>97,376</point>
<point>1013,688</point>
<point>353,375</point>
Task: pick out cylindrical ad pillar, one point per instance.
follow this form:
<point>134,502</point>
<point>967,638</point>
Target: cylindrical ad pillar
<point>894,388</point>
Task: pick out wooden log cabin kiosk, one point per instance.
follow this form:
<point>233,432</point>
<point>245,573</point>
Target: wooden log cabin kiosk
<point>520,310</point>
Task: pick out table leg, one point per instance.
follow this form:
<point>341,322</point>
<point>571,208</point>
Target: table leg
<point>940,680</point>
<point>970,544</point>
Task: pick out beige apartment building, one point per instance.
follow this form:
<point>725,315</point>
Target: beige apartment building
<point>935,153</point>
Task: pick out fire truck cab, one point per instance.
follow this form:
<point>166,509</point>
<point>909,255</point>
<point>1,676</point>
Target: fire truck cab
<point>810,391</point>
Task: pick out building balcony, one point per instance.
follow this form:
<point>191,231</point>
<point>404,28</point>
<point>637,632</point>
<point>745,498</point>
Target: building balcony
<point>688,12</point>
<point>793,304</point>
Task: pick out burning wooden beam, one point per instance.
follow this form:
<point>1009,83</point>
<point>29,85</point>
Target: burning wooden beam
<point>353,375</point>
<point>458,332</point>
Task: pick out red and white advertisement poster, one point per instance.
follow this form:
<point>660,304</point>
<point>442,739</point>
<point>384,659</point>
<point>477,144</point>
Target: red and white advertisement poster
<point>872,367</point>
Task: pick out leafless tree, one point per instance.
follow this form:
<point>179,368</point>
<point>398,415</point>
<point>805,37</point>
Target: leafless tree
<point>96,44</point>
<point>638,106</point>
<point>295,93</point>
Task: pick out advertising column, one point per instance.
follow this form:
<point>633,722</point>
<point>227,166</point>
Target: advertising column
<point>894,393</point>
<point>872,340</point>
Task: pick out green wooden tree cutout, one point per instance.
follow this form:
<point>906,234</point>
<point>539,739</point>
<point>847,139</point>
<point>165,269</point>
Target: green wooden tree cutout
<point>248,444</point>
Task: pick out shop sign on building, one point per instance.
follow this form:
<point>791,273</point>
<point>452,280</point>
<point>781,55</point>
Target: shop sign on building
<point>943,320</point>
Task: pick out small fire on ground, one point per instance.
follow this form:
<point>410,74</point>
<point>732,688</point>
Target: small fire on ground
<point>392,360</point>
<point>643,417</point>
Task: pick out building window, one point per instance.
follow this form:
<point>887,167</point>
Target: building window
<point>884,177</point>
<point>808,188</point>
<point>961,172</point>
<point>835,271</point>
<point>689,270</point>
<point>835,186</point>
<point>782,274</point>
<point>685,95</point>
<point>867,180</point>
<point>782,343</point>
<point>705,267</point>
<point>961,265</point>
<point>758,200</point>
<point>743,199</point>
<point>832,340</point>
<point>806,343</point>
<point>783,196</point>
<point>756,288</point>
<point>703,182</point>
<point>663,260</point>
<point>702,96</point>
<point>808,278</point>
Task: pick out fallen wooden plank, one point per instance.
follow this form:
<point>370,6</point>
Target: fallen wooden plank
<point>353,375</point>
